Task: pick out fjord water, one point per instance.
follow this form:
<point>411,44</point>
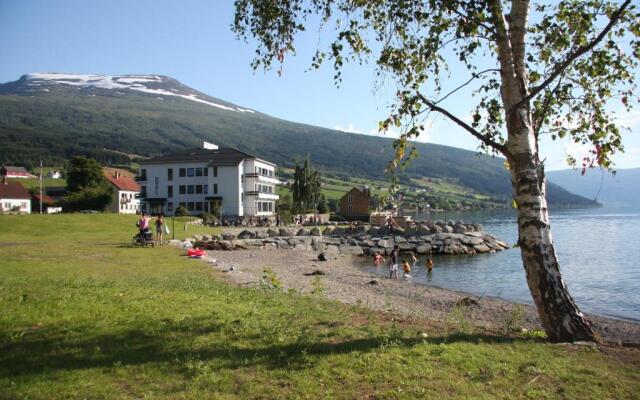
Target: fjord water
<point>598,250</point>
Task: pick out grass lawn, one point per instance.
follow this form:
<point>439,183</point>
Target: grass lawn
<point>84,315</point>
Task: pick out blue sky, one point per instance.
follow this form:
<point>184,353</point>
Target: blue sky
<point>192,42</point>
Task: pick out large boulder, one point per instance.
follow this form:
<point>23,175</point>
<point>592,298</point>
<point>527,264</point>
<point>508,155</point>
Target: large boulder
<point>262,234</point>
<point>423,230</point>
<point>246,235</point>
<point>337,231</point>
<point>302,246</point>
<point>287,232</point>
<point>332,251</point>
<point>283,244</point>
<point>228,236</point>
<point>272,232</point>
<point>318,246</point>
<point>315,231</point>
<point>459,228</point>
<point>330,240</point>
<point>374,230</point>
<point>481,248</point>
<point>302,232</point>
<point>328,231</point>
<point>423,249</point>
<point>361,229</point>
<point>406,247</point>
<point>351,250</point>
<point>436,229</point>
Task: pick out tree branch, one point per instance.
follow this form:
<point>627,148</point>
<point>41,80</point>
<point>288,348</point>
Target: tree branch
<point>474,75</point>
<point>484,139</point>
<point>545,108</point>
<point>576,54</point>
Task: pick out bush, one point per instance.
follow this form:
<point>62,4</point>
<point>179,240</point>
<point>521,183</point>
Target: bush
<point>92,198</point>
<point>181,211</point>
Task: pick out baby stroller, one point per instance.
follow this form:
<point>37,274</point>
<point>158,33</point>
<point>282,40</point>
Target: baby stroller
<point>144,238</point>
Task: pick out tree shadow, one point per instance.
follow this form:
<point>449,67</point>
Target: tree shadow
<point>56,349</point>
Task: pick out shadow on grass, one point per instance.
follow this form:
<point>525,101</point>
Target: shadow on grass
<point>172,345</point>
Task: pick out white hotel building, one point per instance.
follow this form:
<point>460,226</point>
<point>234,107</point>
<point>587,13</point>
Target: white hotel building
<point>241,185</point>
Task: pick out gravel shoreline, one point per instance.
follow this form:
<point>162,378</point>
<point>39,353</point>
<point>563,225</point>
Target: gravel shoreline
<point>345,282</point>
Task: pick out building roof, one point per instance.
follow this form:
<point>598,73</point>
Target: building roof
<point>13,190</point>
<point>122,180</point>
<point>214,157</point>
<point>9,168</point>
<point>46,199</point>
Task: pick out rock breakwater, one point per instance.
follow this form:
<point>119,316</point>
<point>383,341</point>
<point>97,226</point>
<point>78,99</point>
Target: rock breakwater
<point>422,238</point>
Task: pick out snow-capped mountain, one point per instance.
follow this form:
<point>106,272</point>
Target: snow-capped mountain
<point>161,87</point>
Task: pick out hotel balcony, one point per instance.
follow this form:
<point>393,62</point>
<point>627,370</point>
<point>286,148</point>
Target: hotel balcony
<point>262,178</point>
<point>262,195</point>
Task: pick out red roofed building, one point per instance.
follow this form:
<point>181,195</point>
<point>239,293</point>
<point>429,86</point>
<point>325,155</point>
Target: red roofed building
<point>125,193</point>
<point>15,172</point>
<point>14,197</point>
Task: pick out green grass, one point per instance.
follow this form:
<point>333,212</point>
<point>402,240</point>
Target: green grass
<point>86,316</point>
<point>35,183</point>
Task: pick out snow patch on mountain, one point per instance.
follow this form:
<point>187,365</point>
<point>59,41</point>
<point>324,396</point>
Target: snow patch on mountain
<point>131,82</point>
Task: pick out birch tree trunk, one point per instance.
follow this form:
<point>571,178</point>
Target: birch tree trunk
<point>560,316</point>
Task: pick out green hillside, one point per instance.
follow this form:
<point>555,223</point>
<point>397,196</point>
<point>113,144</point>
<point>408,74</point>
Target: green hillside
<point>60,121</point>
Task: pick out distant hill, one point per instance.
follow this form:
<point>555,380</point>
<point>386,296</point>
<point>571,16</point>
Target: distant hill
<point>623,188</point>
<point>54,116</point>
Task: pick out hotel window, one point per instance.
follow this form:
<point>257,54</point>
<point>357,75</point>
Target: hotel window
<point>182,172</point>
<point>183,204</point>
<point>182,189</point>
<point>198,189</point>
<point>170,207</point>
<point>143,191</point>
<point>170,191</point>
<point>170,174</point>
<point>205,189</point>
<point>215,189</point>
<point>190,189</point>
<point>205,171</point>
<point>198,206</point>
<point>191,171</point>
<point>198,171</point>
<point>157,184</point>
<point>215,171</point>
<point>190,206</point>
<point>143,173</point>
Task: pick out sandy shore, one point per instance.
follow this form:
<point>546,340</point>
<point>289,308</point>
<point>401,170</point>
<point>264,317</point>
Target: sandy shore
<point>345,282</point>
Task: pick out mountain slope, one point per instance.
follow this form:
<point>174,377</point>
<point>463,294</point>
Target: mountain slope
<point>56,116</point>
<point>623,188</point>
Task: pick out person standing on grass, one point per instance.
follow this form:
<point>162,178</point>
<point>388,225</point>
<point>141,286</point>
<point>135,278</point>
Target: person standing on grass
<point>159,229</point>
<point>393,262</point>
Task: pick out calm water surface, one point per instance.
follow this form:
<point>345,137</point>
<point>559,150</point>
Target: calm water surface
<point>598,249</point>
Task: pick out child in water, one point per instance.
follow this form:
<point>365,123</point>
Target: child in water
<point>377,259</point>
<point>407,269</point>
<point>428,265</point>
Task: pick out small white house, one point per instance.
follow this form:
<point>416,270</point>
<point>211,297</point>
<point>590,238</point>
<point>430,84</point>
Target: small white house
<point>125,192</point>
<point>208,179</point>
<point>14,198</point>
<point>54,174</point>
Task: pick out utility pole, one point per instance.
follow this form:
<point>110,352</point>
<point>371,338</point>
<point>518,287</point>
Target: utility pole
<point>40,186</point>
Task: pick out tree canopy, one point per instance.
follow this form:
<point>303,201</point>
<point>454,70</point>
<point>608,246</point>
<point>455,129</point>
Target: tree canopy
<point>557,72</point>
<point>580,58</point>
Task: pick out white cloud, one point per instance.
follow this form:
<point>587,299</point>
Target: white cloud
<point>349,129</point>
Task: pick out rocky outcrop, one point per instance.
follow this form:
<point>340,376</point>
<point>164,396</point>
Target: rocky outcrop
<point>421,238</point>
